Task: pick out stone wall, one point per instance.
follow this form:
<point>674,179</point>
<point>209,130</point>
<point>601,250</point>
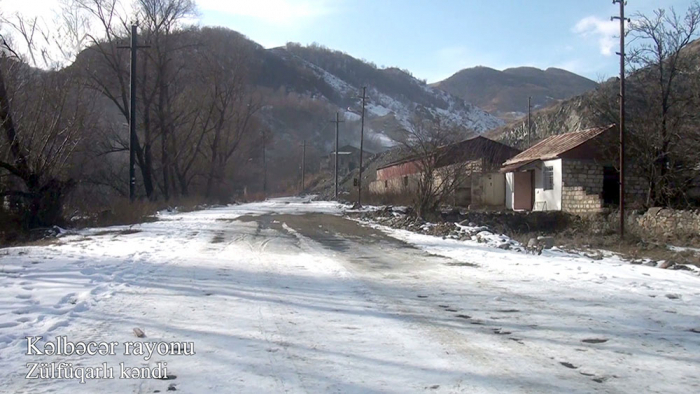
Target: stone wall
<point>669,223</point>
<point>582,186</point>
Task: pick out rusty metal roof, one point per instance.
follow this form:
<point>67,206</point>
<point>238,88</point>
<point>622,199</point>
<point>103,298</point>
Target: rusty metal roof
<point>469,149</point>
<point>554,146</point>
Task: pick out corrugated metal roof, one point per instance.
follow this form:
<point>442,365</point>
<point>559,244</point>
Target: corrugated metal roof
<point>513,167</point>
<point>552,147</point>
<point>472,148</point>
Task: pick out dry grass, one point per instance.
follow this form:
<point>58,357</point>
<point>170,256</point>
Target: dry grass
<point>122,212</point>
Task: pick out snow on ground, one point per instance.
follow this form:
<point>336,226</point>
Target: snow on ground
<point>645,318</point>
<point>269,309</point>
<point>683,249</point>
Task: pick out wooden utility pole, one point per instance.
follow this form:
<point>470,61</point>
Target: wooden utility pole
<point>621,124</point>
<point>529,127</point>
<point>264,166</point>
<point>133,140</point>
<point>362,140</point>
<point>303,166</point>
<point>337,122</point>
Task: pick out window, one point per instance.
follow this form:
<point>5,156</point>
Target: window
<point>405,181</point>
<point>549,178</point>
<point>386,184</point>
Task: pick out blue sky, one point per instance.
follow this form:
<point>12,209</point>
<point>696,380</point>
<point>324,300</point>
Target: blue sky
<point>435,38</point>
<point>431,38</point>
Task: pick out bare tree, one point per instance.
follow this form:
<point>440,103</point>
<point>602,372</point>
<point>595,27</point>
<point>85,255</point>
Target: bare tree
<point>43,116</point>
<point>438,171</point>
<point>160,23</point>
<point>663,105</point>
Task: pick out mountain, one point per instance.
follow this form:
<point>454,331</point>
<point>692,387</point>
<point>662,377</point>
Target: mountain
<point>599,107</point>
<point>335,79</point>
<point>505,93</point>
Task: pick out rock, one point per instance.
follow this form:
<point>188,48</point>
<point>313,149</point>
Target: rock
<point>681,267</point>
<point>654,211</point>
<point>667,264</point>
<point>532,243</point>
<point>651,263</point>
<point>504,246</point>
<point>596,256</point>
<point>546,242</point>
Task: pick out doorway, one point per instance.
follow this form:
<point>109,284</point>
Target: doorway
<point>611,187</point>
<point>523,190</point>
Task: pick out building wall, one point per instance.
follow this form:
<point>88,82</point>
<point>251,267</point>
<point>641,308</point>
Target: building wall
<point>488,189</point>
<point>548,200</point>
<point>398,171</point>
<point>478,189</point>
<point>406,183</point>
<point>582,186</point>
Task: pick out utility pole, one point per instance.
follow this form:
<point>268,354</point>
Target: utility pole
<point>134,47</point>
<point>303,166</point>
<point>621,124</point>
<point>337,122</point>
<point>362,140</point>
<point>264,166</point>
<point>529,128</point>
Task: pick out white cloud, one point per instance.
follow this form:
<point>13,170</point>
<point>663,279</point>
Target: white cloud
<point>35,8</point>
<point>600,29</point>
<point>271,11</point>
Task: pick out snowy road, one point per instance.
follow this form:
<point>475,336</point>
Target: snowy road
<point>284,296</point>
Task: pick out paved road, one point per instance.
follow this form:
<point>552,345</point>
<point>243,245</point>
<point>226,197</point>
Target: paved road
<point>311,302</point>
<point>427,306</point>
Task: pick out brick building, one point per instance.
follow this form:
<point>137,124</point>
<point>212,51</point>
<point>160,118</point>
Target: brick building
<point>478,159</point>
<point>574,172</point>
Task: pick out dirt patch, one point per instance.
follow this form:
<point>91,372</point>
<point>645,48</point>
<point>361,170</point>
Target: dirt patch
<point>117,232</point>
<point>594,340</point>
<point>460,264</point>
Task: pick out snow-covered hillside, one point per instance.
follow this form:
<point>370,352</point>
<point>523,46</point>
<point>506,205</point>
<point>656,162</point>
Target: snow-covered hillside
<point>390,92</point>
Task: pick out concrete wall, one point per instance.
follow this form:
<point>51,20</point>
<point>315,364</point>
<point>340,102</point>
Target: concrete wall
<point>548,200</point>
<point>489,189</point>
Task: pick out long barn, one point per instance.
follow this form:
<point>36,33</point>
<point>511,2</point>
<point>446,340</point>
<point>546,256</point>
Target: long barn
<point>479,157</point>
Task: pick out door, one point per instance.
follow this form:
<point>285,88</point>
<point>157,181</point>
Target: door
<point>523,190</point>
